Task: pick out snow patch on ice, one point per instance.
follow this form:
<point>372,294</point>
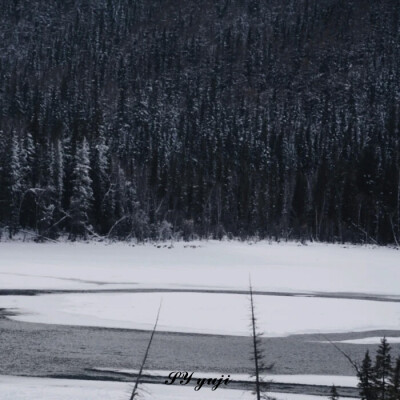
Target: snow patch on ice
<point>224,314</point>
<point>367,340</point>
<point>21,388</point>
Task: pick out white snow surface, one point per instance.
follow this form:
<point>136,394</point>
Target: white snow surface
<point>211,264</point>
<point>276,267</point>
<point>207,265</point>
<point>225,314</point>
<point>21,388</point>
<point>367,340</point>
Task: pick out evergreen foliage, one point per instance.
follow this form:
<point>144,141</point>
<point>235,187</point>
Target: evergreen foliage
<point>258,356</point>
<point>278,119</point>
<point>382,370</point>
<point>380,381</point>
<point>334,394</point>
<point>365,376</point>
<point>82,194</point>
<point>394,385</point>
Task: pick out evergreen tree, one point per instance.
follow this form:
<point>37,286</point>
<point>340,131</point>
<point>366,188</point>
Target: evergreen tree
<point>217,124</point>
<point>394,385</point>
<point>57,168</point>
<point>382,370</point>
<point>45,211</point>
<point>82,194</point>
<point>27,161</point>
<point>365,377</point>
<point>13,183</point>
<point>101,183</point>
<point>334,394</point>
<point>258,357</point>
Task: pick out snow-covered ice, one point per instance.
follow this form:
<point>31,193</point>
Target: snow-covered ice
<point>288,267</point>
<point>368,340</point>
<point>315,269</point>
<point>227,265</point>
<point>21,388</point>
<point>206,312</point>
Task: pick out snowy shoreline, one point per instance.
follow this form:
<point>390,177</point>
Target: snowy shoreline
<point>202,264</point>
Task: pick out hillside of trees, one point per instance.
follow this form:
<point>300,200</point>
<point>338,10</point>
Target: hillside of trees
<point>152,118</point>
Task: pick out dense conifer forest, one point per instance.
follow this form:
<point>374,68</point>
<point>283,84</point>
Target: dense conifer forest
<point>158,118</point>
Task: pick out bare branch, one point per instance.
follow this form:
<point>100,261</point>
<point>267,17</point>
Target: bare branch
<point>140,373</point>
<point>344,354</point>
<point>116,223</point>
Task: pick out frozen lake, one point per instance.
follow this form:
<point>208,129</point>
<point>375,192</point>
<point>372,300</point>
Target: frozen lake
<point>83,311</point>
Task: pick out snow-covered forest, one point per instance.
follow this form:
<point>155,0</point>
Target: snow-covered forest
<point>149,118</point>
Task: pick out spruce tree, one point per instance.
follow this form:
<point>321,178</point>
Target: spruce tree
<point>394,384</point>
<point>219,137</point>
<point>101,182</point>
<point>382,370</point>
<point>258,356</point>
<point>57,168</point>
<point>27,161</point>
<point>82,194</point>
<point>334,394</point>
<point>13,183</point>
<point>365,377</point>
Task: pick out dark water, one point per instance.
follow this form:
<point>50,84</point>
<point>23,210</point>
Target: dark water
<point>67,351</point>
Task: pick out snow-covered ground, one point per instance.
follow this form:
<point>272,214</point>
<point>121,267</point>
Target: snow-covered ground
<point>206,312</point>
<point>227,265</point>
<point>21,388</point>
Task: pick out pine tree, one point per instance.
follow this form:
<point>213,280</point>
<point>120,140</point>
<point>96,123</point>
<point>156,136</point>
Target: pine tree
<point>57,168</point>
<point>220,154</point>
<point>45,212</point>
<point>382,370</point>
<point>13,183</point>
<point>394,385</point>
<point>82,194</point>
<point>101,182</point>
<point>365,377</point>
<point>261,387</point>
<point>334,394</point>
<point>27,161</point>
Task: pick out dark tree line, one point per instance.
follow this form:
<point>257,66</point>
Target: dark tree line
<point>152,118</point>
<point>380,380</point>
